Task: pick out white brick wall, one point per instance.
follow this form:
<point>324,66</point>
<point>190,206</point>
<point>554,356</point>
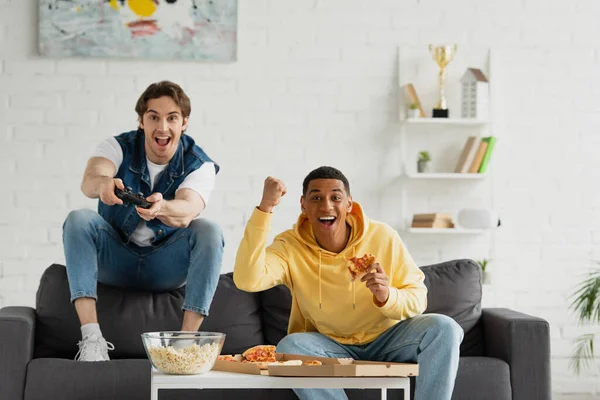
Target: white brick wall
<point>315,83</point>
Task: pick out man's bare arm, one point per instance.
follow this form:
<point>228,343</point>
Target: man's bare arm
<point>177,213</point>
<point>98,181</point>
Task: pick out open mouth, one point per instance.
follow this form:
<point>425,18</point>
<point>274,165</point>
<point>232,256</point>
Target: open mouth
<point>162,141</point>
<point>327,221</point>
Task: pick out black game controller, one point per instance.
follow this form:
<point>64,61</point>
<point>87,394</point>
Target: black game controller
<point>128,197</point>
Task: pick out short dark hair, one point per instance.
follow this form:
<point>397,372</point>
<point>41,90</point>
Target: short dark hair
<point>325,173</point>
<point>160,89</point>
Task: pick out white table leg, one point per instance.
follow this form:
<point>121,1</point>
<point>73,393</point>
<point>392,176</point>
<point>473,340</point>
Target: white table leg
<point>384,394</point>
<point>153,393</point>
<point>407,390</point>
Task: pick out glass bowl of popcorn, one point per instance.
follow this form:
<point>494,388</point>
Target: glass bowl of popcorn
<point>183,353</point>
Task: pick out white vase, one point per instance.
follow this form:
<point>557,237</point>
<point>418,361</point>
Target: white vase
<point>487,278</point>
<point>422,166</point>
<point>412,114</point>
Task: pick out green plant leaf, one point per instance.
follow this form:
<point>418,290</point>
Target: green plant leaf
<point>586,299</point>
<point>583,353</point>
<point>424,156</point>
<point>483,264</point>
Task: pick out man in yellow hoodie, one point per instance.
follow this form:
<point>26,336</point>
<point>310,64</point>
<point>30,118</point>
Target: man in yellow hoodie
<point>377,318</point>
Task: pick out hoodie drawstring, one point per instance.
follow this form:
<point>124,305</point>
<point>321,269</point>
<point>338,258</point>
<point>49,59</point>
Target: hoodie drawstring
<point>353,284</point>
<point>321,286</point>
<point>320,293</point>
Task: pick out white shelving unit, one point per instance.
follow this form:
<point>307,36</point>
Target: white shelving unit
<point>444,121</point>
<point>412,65</point>
<point>445,231</point>
<point>445,175</point>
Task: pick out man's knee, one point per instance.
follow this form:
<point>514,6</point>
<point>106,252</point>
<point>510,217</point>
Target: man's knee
<point>80,219</point>
<point>448,328</point>
<point>206,231</point>
<point>296,343</point>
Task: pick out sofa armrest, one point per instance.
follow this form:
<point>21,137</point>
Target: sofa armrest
<point>523,342</point>
<point>17,333</point>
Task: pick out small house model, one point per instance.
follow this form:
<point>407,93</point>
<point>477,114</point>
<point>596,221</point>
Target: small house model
<point>475,94</point>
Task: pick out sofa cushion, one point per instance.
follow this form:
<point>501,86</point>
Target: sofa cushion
<point>482,378</point>
<point>275,305</point>
<point>454,289</point>
<point>124,315</point>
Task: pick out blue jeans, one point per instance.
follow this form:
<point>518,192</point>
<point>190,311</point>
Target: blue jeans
<point>432,340</point>
<point>95,253</point>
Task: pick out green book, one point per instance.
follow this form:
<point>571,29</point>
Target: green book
<point>491,141</point>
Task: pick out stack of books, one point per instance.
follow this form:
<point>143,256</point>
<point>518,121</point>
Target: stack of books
<point>434,220</point>
<point>476,155</point>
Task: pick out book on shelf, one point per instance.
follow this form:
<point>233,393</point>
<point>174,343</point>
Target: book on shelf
<point>468,154</point>
<point>431,216</point>
<point>439,224</point>
<point>491,141</point>
<point>474,168</point>
<point>432,220</point>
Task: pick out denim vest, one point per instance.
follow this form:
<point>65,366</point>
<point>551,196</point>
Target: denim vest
<point>134,173</point>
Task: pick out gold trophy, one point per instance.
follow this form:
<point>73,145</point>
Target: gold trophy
<point>442,56</point>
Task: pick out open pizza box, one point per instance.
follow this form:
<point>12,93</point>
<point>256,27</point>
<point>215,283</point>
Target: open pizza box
<point>329,367</point>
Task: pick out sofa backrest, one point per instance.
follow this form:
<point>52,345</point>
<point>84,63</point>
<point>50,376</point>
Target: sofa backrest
<point>453,289</point>
<point>248,319</point>
<point>124,315</point>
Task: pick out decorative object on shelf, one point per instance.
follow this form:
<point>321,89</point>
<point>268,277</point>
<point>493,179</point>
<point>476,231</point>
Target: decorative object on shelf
<point>411,95</point>
<point>413,111</point>
<point>586,303</point>
<point>433,220</point>
<point>442,56</point>
<point>479,154</point>
<point>142,29</point>
<point>491,141</point>
<point>478,218</point>
<point>476,155</point>
<point>475,94</point>
<point>486,277</point>
<point>423,162</point>
<point>468,154</point>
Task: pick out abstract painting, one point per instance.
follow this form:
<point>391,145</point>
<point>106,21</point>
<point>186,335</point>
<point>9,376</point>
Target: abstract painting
<point>203,30</point>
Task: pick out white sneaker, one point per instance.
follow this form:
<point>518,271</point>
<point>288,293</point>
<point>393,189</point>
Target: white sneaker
<point>93,348</point>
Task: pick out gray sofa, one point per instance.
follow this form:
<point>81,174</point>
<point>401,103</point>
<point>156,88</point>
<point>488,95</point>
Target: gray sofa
<point>504,355</point>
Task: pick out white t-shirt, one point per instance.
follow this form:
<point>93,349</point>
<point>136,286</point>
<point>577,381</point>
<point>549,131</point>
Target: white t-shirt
<point>201,181</point>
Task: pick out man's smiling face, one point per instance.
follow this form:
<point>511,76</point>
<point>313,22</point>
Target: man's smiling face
<point>326,205</point>
<point>163,125</point>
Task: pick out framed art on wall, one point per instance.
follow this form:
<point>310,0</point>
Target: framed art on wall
<point>202,30</point>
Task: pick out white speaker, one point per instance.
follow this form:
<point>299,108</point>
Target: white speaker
<point>478,218</point>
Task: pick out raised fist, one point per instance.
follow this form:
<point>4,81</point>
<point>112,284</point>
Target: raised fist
<point>273,191</point>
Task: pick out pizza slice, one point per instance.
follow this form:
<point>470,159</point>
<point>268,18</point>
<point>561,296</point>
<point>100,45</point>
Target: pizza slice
<point>313,362</point>
<point>260,353</point>
<point>229,357</point>
<point>360,266</point>
<point>265,364</point>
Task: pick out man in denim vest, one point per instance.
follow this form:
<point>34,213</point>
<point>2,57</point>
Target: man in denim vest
<point>159,248</point>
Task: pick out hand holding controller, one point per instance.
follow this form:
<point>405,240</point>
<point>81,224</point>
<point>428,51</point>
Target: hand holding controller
<point>128,197</point>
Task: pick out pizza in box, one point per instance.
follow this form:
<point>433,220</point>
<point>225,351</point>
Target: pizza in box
<point>263,356</point>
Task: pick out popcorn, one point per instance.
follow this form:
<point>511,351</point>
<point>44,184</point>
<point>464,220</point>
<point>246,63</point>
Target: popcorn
<point>190,360</point>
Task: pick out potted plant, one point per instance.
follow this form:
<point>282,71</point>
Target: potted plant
<point>486,277</point>
<point>423,161</point>
<point>586,303</point>
<point>413,111</point>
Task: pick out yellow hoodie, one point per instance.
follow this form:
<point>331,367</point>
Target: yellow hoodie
<point>324,299</point>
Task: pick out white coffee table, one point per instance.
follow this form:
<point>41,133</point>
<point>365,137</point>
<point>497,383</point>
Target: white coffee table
<point>232,380</point>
